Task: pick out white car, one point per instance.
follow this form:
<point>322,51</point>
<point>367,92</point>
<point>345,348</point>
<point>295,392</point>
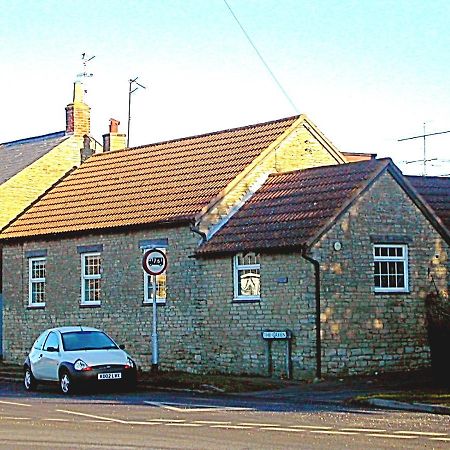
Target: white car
<point>73,356</point>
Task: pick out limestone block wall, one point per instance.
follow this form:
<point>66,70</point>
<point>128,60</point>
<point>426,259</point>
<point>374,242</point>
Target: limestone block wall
<point>122,313</point>
<point>363,331</point>
<point>232,330</point>
<point>21,190</point>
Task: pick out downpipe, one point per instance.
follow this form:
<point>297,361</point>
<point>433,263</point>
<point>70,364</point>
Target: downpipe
<point>316,265</point>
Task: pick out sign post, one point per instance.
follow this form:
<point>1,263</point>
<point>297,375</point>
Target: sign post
<point>154,263</point>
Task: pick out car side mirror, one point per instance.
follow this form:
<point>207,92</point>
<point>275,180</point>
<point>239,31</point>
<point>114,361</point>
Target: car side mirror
<point>122,346</point>
<point>53,349</point>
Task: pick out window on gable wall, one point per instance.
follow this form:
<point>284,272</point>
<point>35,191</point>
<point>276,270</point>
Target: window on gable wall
<point>390,268</point>
<point>161,284</point>
<point>36,281</point>
<point>246,268</point>
<point>91,274</point>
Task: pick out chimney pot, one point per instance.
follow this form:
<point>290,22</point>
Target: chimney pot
<point>114,126</point>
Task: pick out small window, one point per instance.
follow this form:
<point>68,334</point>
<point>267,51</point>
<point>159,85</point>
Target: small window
<point>91,274</point>
<point>247,277</point>
<point>161,284</point>
<point>52,341</point>
<point>36,281</point>
<point>390,268</point>
<point>40,341</point>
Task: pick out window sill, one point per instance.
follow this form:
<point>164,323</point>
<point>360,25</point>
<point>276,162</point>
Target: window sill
<point>158,303</point>
<point>247,300</point>
<point>392,292</point>
<point>36,306</point>
<point>90,305</point>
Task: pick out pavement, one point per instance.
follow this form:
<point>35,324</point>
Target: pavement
<point>344,390</point>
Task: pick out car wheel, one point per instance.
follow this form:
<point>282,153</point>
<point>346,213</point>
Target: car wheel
<point>28,380</point>
<point>66,383</point>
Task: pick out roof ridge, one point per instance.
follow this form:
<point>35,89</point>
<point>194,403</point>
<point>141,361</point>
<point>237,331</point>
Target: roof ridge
<point>35,138</point>
<point>211,133</point>
<point>328,166</point>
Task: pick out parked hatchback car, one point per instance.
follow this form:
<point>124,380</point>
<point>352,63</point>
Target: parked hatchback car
<point>76,356</point>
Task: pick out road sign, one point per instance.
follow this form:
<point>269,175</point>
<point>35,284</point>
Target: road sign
<point>154,261</point>
<point>276,334</point>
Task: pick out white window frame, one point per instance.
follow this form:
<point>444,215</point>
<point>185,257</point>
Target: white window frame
<point>388,259</point>
<point>85,278</point>
<point>236,268</point>
<point>148,300</point>
<point>32,281</point>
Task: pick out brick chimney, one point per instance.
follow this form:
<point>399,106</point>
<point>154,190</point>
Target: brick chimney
<point>114,140</point>
<point>78,117</point>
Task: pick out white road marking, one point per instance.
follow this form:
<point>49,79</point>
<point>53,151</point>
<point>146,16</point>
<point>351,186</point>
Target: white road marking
<point>348,433</point>
<point>290,430</point>
<point>395,436</point>
<point>183,424</point>
<point>167,420</point>
<point>440,439</point>
<point>107,419</point>
<point>252,424</point>
<point>365,430</point>
<point>15,418</point>
<point>211,422</point>
<point>92,416</point>
<point>191,407</point>
<point>63,420</point>
<point>233,427</point>
<point>421,433</point>
<point>311,427</point>
<point>14,403</point>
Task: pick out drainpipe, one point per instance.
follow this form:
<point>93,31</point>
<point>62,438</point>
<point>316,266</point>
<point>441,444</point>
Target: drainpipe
<point>316,265</point>
<point>195,229</point>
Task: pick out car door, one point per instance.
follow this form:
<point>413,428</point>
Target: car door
<point>36,354</point>
<point>46,367</point>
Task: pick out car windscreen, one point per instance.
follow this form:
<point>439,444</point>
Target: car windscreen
<point>87,340</point>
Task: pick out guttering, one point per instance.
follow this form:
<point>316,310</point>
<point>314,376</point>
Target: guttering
<point>316,265</point>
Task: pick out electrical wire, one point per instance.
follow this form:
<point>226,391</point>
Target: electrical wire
<point>261,58</point>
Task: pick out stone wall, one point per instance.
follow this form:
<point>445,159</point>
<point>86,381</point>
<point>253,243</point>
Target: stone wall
<point>363,331</point>
<point>20,191</point>
<point>232,330</point>
<point>202,328</point>
<point>121,313</point>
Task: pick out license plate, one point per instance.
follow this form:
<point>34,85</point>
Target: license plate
<point>109,376</point>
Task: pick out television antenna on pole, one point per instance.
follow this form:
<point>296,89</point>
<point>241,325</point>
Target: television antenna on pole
<point>133,87</point>
<point>424,137</point>
<point>85,59</point>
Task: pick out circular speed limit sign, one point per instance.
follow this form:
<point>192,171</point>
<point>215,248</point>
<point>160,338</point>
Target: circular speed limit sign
<point>154,262</point>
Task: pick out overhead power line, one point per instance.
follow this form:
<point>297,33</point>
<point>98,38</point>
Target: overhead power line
<point>261,58</point>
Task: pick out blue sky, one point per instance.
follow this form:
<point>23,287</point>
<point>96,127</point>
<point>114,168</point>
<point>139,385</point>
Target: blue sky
<point>366,72</point>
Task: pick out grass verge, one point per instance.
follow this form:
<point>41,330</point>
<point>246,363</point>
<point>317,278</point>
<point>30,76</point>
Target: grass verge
<point>211,383</point>
<point>437,397</point>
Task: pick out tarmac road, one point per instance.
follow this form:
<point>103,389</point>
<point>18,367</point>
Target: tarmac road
<point>109,420</point>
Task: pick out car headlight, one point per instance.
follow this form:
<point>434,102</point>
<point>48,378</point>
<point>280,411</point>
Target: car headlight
<point>81,365</point>
<point>130,362</point>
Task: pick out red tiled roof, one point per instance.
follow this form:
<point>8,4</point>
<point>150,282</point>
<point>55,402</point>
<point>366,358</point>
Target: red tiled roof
<point>436,192</point>
<point>163,182</point>
<point>292,208</point>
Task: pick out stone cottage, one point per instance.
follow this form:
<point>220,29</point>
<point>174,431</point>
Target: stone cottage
<point>267,229</point>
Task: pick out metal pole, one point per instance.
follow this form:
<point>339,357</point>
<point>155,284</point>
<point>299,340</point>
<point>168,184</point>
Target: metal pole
<point>424,152</point>
<point>129,113</point>
<point>154,329</point>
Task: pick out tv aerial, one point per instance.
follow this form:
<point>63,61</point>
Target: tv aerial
<point>85,59</point>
